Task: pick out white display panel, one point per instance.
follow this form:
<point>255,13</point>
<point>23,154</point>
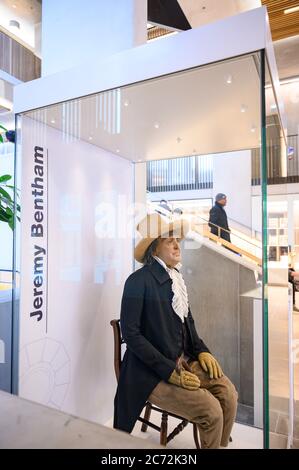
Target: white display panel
<point>73,275</point>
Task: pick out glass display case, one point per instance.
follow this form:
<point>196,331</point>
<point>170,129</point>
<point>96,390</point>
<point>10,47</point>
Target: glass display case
<point>84,189</point>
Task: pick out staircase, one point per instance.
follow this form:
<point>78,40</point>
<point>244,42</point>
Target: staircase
<point>241,245</point>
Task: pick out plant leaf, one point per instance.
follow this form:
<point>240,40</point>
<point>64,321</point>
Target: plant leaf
<point>10,187</point>
<point>11,223</point>
<point>4,128</point>
<point>4,178</point>
<point>5,193</point>
<point>4,216</point>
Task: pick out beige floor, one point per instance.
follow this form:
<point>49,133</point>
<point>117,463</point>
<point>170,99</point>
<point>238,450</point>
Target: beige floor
<point>243,437</point>
<point>279,365</point>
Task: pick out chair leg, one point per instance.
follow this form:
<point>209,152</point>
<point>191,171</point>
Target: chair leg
<point>164,425</point>
<point>195,435</point>
<point>147,415</point>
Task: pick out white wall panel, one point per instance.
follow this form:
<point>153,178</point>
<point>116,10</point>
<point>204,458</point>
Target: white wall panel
<point>66,357</point>
<point>232,176</point>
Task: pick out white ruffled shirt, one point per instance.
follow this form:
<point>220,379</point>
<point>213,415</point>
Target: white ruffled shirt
<point>180,302</point>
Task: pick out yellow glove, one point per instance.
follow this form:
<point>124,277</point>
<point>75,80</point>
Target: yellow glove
<point>184,379</point>
<point>210,365</point>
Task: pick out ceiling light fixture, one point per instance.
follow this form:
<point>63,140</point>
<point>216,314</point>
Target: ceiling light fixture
<point>52,121</point>
<point>126,103</point>
<point>156,125</point>
<point>253,129</point>
<point>117,150</point>
<point>243,108</point>
<point>90,137</point>
<point>291,10</point>
<point>14,24</point>
<point>14,6</point>
<point>5,105</point>
<point>229,79</point>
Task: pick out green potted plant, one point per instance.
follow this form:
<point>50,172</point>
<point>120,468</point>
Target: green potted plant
<point>8,207</point>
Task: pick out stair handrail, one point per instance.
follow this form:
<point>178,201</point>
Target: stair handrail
<point>219,229</point>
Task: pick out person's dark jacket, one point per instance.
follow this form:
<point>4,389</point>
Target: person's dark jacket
<point>218,217</point>
<point>153,333</point>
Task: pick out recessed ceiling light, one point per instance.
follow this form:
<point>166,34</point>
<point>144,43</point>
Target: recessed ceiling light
<point>140,160</point>
<point>126,103</point>
<point>229,79</point>
<point>52,121</point>
<point>156,125</point>
<point>243,108</point>
<point>291,10</point>
<point>90,137</point>
<point>117,150</point>
<point>14,6</point>
<point>14,24</point>
<point>253,129</point>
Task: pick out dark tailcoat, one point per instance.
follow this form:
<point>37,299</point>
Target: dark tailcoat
<point>218,217</point>
<point>153,333</point>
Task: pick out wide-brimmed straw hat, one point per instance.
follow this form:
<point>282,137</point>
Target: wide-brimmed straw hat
<point>154,226</point>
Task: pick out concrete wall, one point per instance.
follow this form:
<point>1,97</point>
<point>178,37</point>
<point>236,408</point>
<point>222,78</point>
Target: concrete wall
<point>223,319</point>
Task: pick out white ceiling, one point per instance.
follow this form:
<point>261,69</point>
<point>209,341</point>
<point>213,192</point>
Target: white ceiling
<point>27,13</point>
<point>287,57</point>
<point>200,12</point>
<point>192,112</point>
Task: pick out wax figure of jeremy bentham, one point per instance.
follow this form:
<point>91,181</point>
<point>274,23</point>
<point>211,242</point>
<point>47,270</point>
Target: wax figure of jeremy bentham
<point>166,361</point>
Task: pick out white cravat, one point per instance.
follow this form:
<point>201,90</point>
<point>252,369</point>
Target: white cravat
<point>180,296</point>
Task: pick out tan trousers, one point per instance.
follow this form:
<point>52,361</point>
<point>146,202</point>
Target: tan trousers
<point>213,406</point>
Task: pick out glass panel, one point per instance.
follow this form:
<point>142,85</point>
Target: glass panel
<point>6,262</point>
<point>78,214</point>
<point>77,232</point>
<point>223,279</point>
<point>279,307</point>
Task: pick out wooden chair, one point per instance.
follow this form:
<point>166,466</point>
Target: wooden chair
<point>163,429</point>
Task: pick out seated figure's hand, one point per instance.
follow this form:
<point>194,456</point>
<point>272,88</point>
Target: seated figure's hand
<point>210,365</point>
<point>184,379</point>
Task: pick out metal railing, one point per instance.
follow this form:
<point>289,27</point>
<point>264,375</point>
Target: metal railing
<point>196,172</point>
<point>275,173</point>
<point>248,247</point>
